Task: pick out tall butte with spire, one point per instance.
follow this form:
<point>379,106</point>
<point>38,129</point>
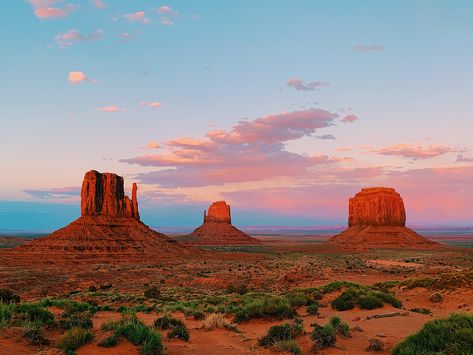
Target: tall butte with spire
<point>377,219</point>
<point>109,223</point>
<point>218,229</point>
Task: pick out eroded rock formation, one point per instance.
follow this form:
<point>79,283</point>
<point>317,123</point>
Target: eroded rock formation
<point>377,219</point>
<point>109,223</point>
<point>218,230</point>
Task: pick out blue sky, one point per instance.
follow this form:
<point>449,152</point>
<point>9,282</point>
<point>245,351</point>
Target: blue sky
<point>402,69</point>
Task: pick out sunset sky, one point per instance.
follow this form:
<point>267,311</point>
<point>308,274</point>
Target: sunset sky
<point>285,109</point>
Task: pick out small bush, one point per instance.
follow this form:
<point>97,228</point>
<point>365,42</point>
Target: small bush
<point>370,302</point>
<point>452,335</point>
<point>239,289</point>
<point>436,298</point>
<point>339,326</point>
<point>282,332</point>
<point>108,342</point>
<point>34,334</point>
<point>152,345</point>
<point>32,312</point>
<point>375,345</point>
<point>216,320</point>
<point>6,313</point>
<point>153,293</point>
<point>313,308</point>
<point>8,296</point>
<point>75,320</point>
<point>343,302</point>
<point>167,322</point>
<point>74,339</point>
<point>323,337</point>
<point>291,346</point>
<point>268,307</point>
<point>199,315</point>
<point>92,288</point>
<point>421,310</point>
<point>180,332</point>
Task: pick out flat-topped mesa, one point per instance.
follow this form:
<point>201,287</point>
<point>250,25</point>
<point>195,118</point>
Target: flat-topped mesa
<point>104,195</point>
<point>376,206</point>
<point>218,212</point>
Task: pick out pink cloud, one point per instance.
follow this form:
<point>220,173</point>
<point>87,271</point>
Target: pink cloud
<point>68,38</point>
<point>77,77</point>
<point>152,145</point>
<point>463,159</point>
<point>249,151</point>
<point>112,108</point>
<point>127,37</point>
<point>300,85</point>
<point>368,48</point>
<point>45,9</point>
<point>153,104</point>
<point>139,16</point>
<point>167,15</point>
<point>413,151</point>
<point>350,118</point>
<point>99,4</point>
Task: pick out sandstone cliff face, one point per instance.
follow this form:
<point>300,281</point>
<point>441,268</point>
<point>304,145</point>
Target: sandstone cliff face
<point>377,219</point>
<point>218,230</point>
<point>104,195</point>
<point>218,212</point>
<point>377,206</point>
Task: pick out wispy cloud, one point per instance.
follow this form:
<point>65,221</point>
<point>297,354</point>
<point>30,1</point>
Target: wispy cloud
<point>111,108</point>
<point>77,77</point>
<point>167,15</point>
<point>48,9</point>
<point>249,151</point>
<point>462,159</point>
<point>152,145</point>
<point>152,104</point>
<point>301,85</point>
<point>72,36</point>
<point>127,36</point>
<point>99,4</point>
<point>350,118</point>
<point>139,16</point>
<point>59,192</point>
<point>326,136</point>
<point>368,48</point>
<point>413,151</point>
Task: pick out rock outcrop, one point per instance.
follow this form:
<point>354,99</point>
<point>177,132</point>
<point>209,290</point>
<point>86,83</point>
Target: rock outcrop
<point>109,223</point>
<point>218,230</point>
<point>377,219</point>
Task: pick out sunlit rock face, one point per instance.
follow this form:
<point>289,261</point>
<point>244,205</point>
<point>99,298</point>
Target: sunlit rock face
<point>376,220</point>
<point>217,229</point>
<point>376,206</point>
<point>109,224</point>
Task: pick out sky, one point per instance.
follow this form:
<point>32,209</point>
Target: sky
<point>284,109</point>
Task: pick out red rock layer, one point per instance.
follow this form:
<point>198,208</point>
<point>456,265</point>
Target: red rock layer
<point>377,219</point>
<point>104,195</point>
<point>377,206</point>
<point>218,230</point>
<point>218,212</point>
<point>109,224</point>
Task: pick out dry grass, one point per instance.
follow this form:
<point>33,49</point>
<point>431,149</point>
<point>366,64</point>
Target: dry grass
<point>216,320</point>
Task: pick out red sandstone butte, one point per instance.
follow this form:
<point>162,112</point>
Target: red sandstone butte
<point>109,223</point>
<point>218,229</point>
<point>377,219</point>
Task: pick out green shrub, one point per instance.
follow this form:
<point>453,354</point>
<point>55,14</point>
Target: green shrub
<point>339,326</point>
<point>108,342</point>
<point>388,298</point>
<point>375,345</point>
<point>8,296</point>
<point>139,334</point>
<point>370,302</point>
<point>199,315</point>
<point>167,322</point>
<point>297,299</point>
<point>323,337</point>
<point>343,302</point>
<point>180,332</point>
<point>313,308</point>
<point>6,313</point>
<point>32,312</point>
<point>152,345</point>
<point>291,346</point>
<point>268,307</point>
<point>153,293</point>
<point>76,320</point>
<point>282,332</point>
<point>421,310</point>
<point>452,335</point>
<point>34,334</point>
<point>75,338</point>
<point>239,289</point>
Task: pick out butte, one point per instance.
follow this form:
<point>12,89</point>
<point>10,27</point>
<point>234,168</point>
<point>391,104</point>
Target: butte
<point>109,224</point>
<point>377,220</point>
<point>218,229</point>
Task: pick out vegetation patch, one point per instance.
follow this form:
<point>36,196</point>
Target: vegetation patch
<point>365,297</point>
<point>268,306</point>
<point>283,332</point>
<point>74,338</point>
<point>452,335</point>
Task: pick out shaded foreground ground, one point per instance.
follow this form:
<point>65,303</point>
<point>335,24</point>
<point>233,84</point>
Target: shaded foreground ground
<point>223,276</point>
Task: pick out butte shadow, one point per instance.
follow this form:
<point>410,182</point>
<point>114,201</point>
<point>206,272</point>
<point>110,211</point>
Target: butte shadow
<point>217,229</point>
<point>377,220</point>
<point>109,224</point>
